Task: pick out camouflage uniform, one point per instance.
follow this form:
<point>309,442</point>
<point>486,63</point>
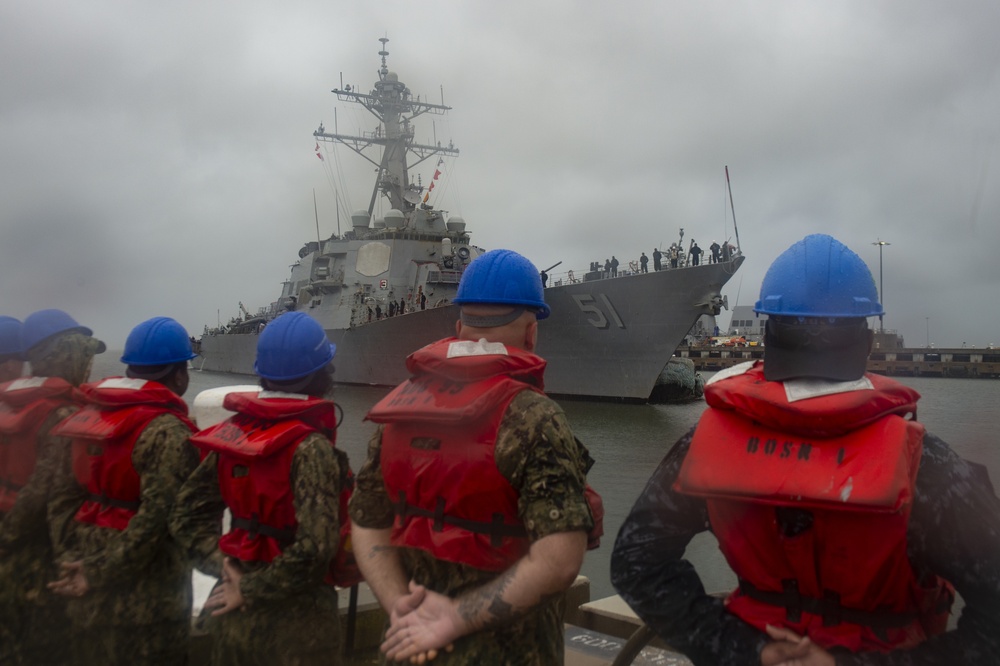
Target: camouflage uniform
<point>289,615</point>
<point>954,532</point>
<point>138,610</point>
<point>538,454</point>
<point>33,624</point>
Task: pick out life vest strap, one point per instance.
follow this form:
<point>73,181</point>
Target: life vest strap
<point>828,607</point>
<point>496,528</point>
<point>104,500</point>
<point>254,527</point>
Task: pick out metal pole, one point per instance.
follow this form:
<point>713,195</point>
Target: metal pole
<point>733,208</point>
<point>881,290</point>
<point>927,320</point>
<point>881,293</point>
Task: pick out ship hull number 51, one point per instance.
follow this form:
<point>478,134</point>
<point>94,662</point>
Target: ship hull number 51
<point>600,313</point>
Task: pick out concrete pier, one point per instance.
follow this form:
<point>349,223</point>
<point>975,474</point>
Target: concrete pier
<point>912,362</point>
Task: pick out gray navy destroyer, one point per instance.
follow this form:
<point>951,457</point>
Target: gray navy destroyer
<point>607,338</point>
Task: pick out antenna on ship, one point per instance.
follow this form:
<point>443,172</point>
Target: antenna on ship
<point>336,194</point>
<point>733,208</point>
<point>394,107</point>
<point>319,241</point>
<point>383,53</point>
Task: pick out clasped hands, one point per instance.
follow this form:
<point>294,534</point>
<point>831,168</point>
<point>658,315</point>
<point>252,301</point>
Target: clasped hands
<point>226,596</point>
<point>421,623</point>
<point>789,649</point>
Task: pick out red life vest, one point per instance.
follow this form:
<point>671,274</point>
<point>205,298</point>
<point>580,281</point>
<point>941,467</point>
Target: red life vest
<point>255,449</point>
<point>25,403</point>
<point>849,459</point>
<point>438,452</point>
<point>104,434</point>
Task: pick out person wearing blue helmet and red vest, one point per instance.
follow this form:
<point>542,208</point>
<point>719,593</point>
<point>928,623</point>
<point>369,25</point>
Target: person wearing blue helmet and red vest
<point>11,358</point>
<point>128,582</point>
<point>11,367</point>
<point>470,517</point>
<point>275,467</point>
<point>36,516</point>
<point>848,526</point>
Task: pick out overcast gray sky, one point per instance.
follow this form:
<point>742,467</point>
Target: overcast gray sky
<point>157,158</point>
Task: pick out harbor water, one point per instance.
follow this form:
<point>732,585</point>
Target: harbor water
<point>628,441</point>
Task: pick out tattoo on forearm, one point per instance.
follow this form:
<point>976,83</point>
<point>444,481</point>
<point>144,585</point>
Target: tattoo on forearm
<point>486,608</point>
<point>489,598</point>
<point>501,610</point>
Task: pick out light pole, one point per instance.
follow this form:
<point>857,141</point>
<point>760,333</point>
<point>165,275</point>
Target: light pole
<point>881,295</point>
<point>927,320</point>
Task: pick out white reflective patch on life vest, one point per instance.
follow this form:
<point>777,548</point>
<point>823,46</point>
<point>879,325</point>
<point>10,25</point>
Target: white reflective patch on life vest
<point>122,383</point>
<point>282,394</point>
<point>805,388</point>
<point>480,348</point>
<point>732,371</point>
<point>25,383</point>
<point>845,492</point>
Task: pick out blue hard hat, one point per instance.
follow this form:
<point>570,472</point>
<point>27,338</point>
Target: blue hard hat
<point>503,277</point>
<point>10,337</point>
<point>291,346</point>
<point>42,325</point>
<point>157,341</point>
<point>819,277</point>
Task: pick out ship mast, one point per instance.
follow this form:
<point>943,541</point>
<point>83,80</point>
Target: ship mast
<point>394,107</point>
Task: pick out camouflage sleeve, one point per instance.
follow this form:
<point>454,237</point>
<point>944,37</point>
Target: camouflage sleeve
<point>317,471</point>
<point>164,459</point>
<point>537,452</point>
<point>370,505</point>
<point>65,494</point>
<point>648,569</point>
<point>954,532</point>
<point>32,511</point>
<point>196,519</point>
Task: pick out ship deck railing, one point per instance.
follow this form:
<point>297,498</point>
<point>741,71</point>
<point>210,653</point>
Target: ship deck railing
<point>573,276</point>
